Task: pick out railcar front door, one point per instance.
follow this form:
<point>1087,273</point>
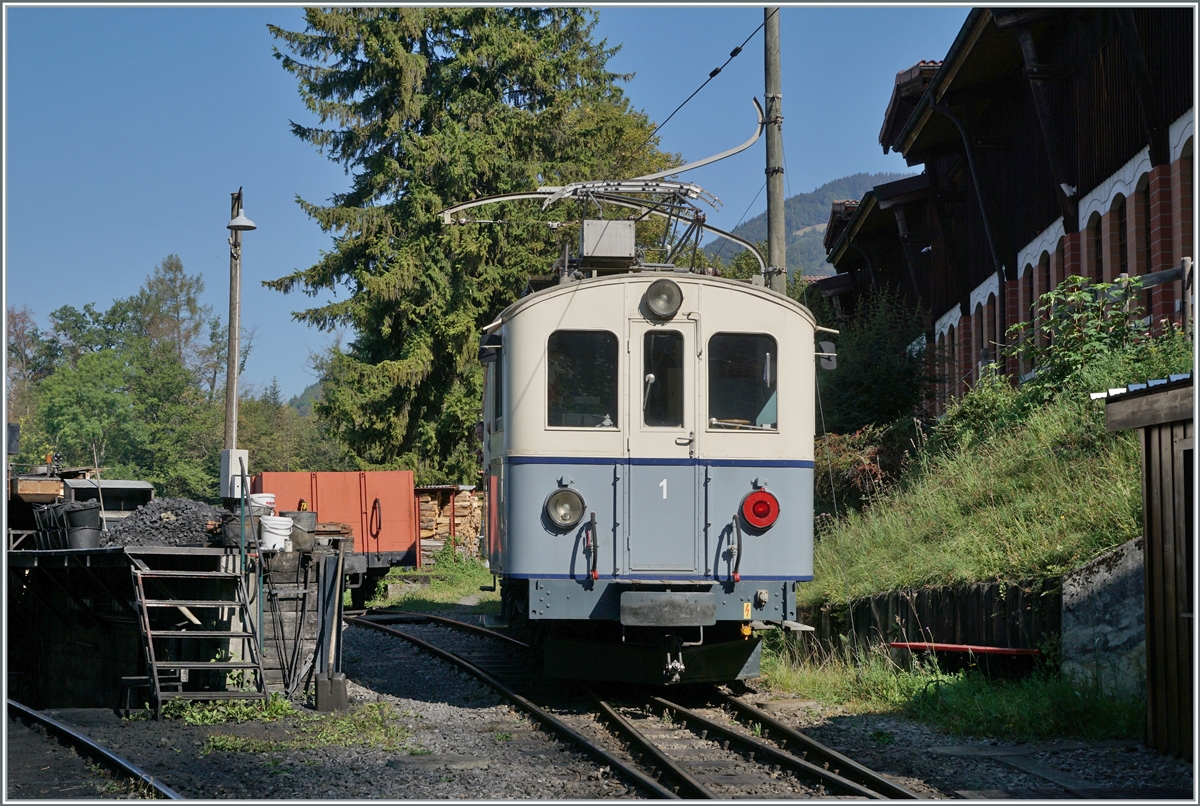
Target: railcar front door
<point>661,533</point>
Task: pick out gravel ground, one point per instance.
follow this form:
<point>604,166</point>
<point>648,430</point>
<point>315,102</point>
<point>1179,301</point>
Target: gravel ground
<point>472,745</point>
<point>978,767</point>
<point>165,522</point>
<point>40,767</point>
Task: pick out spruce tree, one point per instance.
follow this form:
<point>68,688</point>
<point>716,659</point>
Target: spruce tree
<point>425,108</point>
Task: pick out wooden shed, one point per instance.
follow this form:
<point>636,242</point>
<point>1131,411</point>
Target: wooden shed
<point>1163,412</point>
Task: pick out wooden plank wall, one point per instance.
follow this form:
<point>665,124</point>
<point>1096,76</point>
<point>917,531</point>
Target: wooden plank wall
<point>1167,511</point>
<point>288,614</point>
<point>1021,614</point>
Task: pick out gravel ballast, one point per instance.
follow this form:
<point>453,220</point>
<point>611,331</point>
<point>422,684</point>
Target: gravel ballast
<point>470,744</point>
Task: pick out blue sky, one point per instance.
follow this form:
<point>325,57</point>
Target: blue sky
<point>126,129</point>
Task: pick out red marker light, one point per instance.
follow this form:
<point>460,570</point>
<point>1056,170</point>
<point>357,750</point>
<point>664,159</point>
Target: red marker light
<point>760,509</point>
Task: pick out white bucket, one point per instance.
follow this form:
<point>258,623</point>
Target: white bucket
<point>262,500</point>
<point>275,532</point>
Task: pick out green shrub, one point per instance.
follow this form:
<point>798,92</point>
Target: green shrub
<point>847,471</point>
<point>881,376</point>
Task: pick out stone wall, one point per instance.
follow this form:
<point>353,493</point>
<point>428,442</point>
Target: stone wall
<point>1104,620</point>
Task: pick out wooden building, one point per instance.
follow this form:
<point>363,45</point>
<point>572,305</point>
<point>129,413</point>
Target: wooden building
<point>1163,413</point>
<point>1054,142</point>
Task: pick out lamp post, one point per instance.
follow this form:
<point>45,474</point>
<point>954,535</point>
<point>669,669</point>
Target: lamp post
<point>237,225</point>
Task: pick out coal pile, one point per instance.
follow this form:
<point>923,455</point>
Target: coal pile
<point>166,522</point>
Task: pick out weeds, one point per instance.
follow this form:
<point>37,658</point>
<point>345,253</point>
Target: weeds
<point>132,787</point>
<point>199,712</point>
<point>375,725</point>
<point>455,577</point>
<point>1041,706</point>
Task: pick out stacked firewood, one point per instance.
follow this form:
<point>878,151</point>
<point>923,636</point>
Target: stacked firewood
<point>435,508</point>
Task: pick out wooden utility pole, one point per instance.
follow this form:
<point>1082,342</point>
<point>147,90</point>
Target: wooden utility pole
<point>776,228</point>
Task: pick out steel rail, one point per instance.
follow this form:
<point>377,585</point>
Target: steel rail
<point>454,623</point>
<point>102,754</point>
<point>686,780</point>
<point>551,721</point>
<point>847,767</point>
<point>826,777</point>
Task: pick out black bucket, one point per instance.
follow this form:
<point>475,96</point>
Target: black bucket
<point>52,526</point>
<point>83,537</point>
<point>231,530</point>
<point>83,513</point>
<point>304,529</point>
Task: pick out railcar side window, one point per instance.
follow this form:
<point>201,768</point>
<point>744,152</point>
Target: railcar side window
<point>742,381</point>
<point>582,389</point>
<point>662,378</point>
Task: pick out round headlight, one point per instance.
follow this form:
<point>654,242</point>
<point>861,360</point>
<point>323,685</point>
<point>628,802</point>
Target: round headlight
<point>663,298</point>
<point>564,508</point>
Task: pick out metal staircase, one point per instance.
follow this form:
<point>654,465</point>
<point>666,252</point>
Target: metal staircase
<point>216,614</point>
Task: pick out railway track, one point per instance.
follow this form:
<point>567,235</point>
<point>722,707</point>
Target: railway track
<point>85,747</point>
<point>714,747</point>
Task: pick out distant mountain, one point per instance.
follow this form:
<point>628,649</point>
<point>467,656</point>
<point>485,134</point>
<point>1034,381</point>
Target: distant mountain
<point>303,402</point>
<point>806,215</point>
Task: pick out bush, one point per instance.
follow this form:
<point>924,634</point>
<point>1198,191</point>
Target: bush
<point>881,376</point>
<point>847,471</point>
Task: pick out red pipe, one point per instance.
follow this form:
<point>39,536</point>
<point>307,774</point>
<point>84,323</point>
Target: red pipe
<point>977,650</point>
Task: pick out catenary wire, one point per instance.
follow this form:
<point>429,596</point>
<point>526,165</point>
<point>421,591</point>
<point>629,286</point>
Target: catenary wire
<point>733,53</point>
<point>724,241</point>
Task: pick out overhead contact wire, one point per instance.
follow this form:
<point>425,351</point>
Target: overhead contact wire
<point>724,241</point>
<point>732,54</point>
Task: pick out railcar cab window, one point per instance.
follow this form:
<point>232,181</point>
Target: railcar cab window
<point>662,378</point>
<point>582,379</point>
<point>742,382</point>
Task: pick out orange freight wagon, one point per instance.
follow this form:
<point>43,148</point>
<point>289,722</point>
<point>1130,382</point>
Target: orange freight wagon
<point>379,505</point>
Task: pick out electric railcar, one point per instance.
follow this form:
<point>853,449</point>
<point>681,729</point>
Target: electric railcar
<point>648,452</point>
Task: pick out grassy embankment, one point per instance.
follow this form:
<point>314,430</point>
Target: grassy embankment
<point>1010,484</point>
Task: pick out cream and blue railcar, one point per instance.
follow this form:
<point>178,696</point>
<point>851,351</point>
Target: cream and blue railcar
<point>649,468</point>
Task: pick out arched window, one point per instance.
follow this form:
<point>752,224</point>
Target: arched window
<point>943,374</point>
<point>1147,230</point>
<point>977,341</point>
<point>1095,272</point>
<point>1035,312</point>
<point>952,361</point>
<point>1122,235</point>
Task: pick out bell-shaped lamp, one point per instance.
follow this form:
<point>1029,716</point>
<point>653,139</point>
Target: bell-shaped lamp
<point>241,223</point>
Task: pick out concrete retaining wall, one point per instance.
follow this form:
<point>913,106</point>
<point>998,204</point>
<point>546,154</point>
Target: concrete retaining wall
<point>1104,620</point>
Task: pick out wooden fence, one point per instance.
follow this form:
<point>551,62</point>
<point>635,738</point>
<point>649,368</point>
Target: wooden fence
<point>1024,615</point>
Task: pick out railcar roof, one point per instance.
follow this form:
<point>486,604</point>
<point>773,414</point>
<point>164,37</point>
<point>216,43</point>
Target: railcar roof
<point>615,279</point>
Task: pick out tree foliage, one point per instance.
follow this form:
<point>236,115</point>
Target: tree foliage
<point>133,389</point>
<point>1074,324</point>
<point>881,370</point>
<point>424,108</point>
